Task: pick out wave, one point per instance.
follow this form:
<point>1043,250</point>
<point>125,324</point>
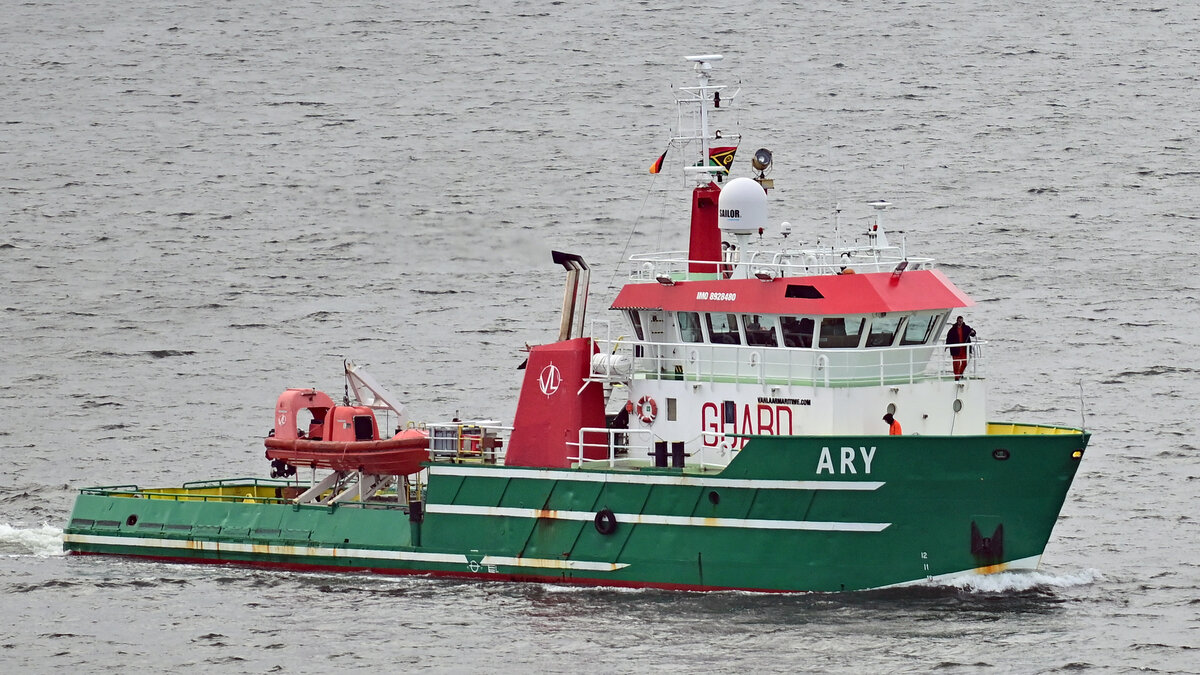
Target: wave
<point>44,541</point>
<point>164,353</point>
<point>1017,582</point>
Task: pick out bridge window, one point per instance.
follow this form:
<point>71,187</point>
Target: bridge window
<point>635,318</point>
<point>760,330</point>
<point>883,330</point>
<point>797,331</point>
<point>689,327</point>
<point>723,329</point>
<point>919,329</point>
<point>839,332</point>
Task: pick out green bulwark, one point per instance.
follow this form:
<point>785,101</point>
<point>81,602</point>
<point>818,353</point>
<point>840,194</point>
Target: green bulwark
<point>790,513</point>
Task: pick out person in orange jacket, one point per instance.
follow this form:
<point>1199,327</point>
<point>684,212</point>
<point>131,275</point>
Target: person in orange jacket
<point>893,425</point>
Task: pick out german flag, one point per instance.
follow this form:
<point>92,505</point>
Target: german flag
<point>657,165</point>
<point>722,157</point>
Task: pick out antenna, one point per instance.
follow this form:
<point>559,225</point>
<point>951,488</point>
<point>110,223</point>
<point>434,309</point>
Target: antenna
<point>837,224</point>
<point>1082,418</point>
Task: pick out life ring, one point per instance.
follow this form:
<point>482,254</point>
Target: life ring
<point>606,522</point>
<point>647,409</point>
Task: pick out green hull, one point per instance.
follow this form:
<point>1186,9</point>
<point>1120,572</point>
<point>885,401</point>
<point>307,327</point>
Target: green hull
<point>790,513</point>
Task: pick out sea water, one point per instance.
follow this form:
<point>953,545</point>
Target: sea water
<point>205,203</point>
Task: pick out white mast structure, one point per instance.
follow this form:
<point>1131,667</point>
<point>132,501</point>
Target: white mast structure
<point>693,109</point>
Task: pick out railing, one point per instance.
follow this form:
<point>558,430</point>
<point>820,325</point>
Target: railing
<point>228,490</point>
<point>785,366</point>
<point>254,491</point>
<point>616,442</point>
<point>224,483</point>
<point>483,441</point>
<point>792,263</point>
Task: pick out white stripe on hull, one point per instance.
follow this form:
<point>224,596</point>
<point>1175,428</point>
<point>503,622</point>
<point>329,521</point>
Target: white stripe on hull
<point>648,519</point>
<point>651,479</point>
<point>325,552</point>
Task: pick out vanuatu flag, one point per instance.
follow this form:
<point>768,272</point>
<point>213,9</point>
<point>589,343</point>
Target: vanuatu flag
<point>657,165</point>
<point>722,157</point>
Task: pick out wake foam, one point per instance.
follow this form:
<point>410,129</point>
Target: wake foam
<point>44,541</point>
<point>1016,582</point>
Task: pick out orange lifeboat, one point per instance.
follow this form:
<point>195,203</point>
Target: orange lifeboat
<point>341,438</point>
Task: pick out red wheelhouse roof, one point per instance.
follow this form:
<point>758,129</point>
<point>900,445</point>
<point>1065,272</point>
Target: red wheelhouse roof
<point>826,295</point>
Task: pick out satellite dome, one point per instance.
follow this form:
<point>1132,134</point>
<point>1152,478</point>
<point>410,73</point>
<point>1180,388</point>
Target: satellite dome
<point>742,207</point>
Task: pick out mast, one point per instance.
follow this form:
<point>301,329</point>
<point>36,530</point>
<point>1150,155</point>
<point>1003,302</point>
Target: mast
<point>694,127</point>
<point>694,123</point>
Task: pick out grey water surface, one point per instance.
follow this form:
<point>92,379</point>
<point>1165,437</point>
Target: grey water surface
<point>204,203</point>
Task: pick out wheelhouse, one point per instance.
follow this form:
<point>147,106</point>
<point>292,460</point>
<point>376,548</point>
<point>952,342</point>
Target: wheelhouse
<point>831,329</point>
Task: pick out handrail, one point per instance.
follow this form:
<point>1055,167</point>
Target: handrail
<point>166,495</point>
<point>610,443</point>
<point>236,482</point>
<point>809,366</point>
<point>786,263</point>
<point>698,449</point>
<point>172,494</point>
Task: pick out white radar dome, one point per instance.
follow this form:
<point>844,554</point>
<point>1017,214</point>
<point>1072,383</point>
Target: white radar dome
<point>742,207</point>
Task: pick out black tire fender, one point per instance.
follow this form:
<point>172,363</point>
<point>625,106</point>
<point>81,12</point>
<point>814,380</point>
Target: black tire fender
<point>606,521</point>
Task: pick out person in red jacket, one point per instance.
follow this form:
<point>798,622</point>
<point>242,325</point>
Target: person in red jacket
<point>960,336</point>
<point>893,425</point>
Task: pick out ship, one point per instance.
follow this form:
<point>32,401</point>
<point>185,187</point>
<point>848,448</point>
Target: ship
<point>755,415</point>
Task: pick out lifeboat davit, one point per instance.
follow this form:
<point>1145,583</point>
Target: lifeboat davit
<point>341,438</point>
